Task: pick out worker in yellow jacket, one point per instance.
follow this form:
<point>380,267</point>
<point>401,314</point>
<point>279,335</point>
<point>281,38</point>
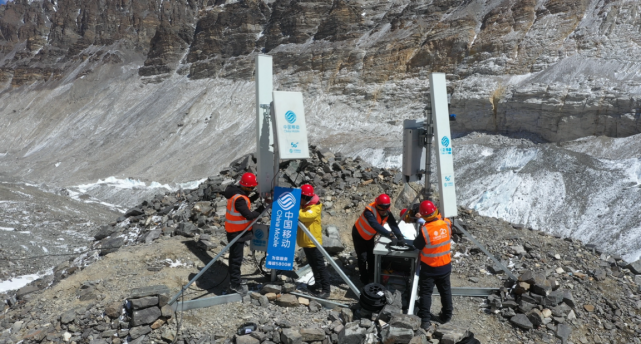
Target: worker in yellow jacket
<point>310,216</point>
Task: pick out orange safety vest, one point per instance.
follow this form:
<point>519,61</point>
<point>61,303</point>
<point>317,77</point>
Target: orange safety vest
<point>362,225</point>
<point>449,223</point>
<point>234,221</point>
<point>437,250</point>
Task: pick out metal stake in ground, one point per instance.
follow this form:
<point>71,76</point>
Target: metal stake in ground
<point>173,299</point>
<point>331,261</point>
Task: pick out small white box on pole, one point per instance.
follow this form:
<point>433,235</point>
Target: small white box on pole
<point>291,130</point>
<point>444,160</point>
<point>264,131</point>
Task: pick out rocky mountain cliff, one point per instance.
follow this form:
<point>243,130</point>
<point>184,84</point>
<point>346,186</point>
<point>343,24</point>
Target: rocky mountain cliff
<point>91,84</point>
<point>559,68</point>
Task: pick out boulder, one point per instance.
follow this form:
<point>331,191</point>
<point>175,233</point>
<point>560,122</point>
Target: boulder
<point>134,212</point>
<point>312,334</point>
<point>352,333</point>
<point>139,331</point>
<point>536,317</point>
<point>149,291</point>
<point>291,336</point>
<point>145,316</point>
<point>347,315</point>
<point>388,311</point>
<point>635,267</point>
<point>246,340</point>
<point>114,310</point>
<point>186,229</point>
<point>542,288</point>
<point>332,232</point>
<point>144,302</point>
<point>394,334</point>
<point>150,236</point>
<point>314,306</point>
<point>451,334</point>
<point>104,232</point>
<point>287,300</point>
<point>270,288</point>
<point>563,332</point>
<point>408,321</point>
<point>521,321</point>
<point>527,277</point>
<point>568,299</point>
<point>68,317</point>
<point>110,245</point>
<point>333,245</point>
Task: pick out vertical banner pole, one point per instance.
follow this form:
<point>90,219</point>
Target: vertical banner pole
<point>444,160</point>
<point>276,168</point>
<point>264,132</point>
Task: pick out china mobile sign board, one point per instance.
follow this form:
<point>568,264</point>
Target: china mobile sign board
<point>291,130</point>
<point>282,232</point>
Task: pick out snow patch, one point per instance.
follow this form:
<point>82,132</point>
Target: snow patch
<point>21,281</point>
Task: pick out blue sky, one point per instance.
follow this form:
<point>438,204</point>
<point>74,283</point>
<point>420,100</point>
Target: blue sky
<point>3,2</point>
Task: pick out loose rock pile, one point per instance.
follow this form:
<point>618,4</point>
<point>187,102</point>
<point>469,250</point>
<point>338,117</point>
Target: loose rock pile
<point>565,290</point>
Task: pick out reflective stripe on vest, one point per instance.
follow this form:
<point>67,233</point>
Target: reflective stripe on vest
<point>437,248</point>
<point>234,221</point>
<point>362,225</point>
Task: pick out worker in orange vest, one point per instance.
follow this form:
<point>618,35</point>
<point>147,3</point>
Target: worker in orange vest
<point>237,218</point>
<point>370,223</point>
<point>433,241</point>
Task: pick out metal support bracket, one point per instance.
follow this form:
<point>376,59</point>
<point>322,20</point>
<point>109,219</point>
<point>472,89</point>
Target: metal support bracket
<point>326,303</point>
<point>487,253</point>
<point>173,299</point>
<point>331,261</point>
<point>206,302</point>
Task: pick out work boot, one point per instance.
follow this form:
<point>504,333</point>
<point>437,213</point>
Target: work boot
<point>323,295</point>
<point>426,325</point>
<point>237,288</point>
<point>444,319</point>
<point>313,288</point>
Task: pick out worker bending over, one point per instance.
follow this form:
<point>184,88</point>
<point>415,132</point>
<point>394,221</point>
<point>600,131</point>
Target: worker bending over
<point>310,216</point>
<point>237,218</point>
<point>371,221</point>
<point>433,240</point>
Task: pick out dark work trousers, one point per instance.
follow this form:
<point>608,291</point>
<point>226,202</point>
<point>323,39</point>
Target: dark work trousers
<point>317,263</point>
<point>236,255</point>
<point>427,279</point>
<point>235,261</point>
<point>365,254</point>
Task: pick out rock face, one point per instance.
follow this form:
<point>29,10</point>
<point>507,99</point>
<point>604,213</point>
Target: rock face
<point>507,71</point>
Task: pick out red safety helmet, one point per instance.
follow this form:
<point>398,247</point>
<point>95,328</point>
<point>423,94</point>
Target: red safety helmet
<point>307,190</point>
<point>403,213</point>
<point>383,201</point>
<point>427,208</point>
<point>248,180</point>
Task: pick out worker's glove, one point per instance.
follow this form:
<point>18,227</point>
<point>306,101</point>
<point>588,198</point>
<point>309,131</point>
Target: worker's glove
<point>394,242</point>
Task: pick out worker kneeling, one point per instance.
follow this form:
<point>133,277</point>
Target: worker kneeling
<point>237,218</point>
<point>433,241</point>
<point>310,216</point>
<point>371,221</point>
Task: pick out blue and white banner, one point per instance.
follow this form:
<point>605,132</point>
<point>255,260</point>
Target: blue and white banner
<point>284,225</point>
